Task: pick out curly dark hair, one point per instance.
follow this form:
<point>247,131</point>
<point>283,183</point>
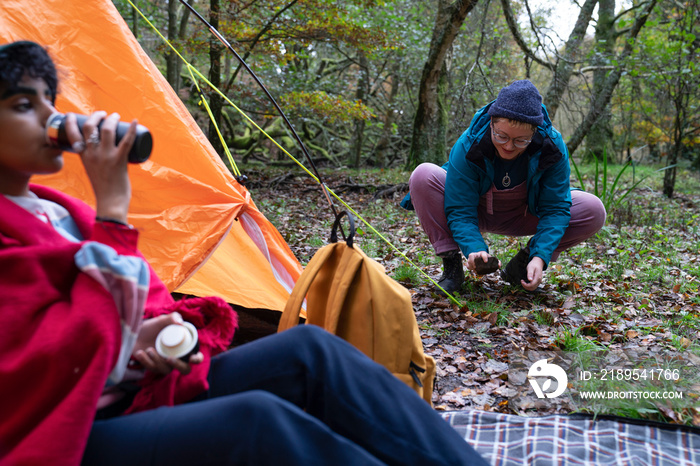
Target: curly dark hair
<point>21,58</point>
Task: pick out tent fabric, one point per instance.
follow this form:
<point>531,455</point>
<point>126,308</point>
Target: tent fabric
<point>509,440</point>
<point>185,203</point>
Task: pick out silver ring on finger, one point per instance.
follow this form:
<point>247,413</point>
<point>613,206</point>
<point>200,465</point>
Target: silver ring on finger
<point>78,147</point>
<point>94,137</point>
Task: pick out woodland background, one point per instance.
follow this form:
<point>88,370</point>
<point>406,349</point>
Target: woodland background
<point>382,83</point>
<point>375,87</point>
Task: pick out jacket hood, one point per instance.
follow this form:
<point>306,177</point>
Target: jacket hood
<point>542,141</point>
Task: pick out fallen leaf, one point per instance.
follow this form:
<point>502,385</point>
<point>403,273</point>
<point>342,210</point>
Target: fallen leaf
<point>493,366</point>
<point>668,412</point>
<point>569,303</point>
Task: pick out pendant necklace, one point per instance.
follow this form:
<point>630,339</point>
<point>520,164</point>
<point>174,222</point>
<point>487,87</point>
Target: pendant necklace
<point>507,166</point>
<point>505,181</point>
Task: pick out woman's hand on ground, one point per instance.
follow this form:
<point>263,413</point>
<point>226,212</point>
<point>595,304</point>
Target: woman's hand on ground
<point>471,260</point>
<point>534,274</point>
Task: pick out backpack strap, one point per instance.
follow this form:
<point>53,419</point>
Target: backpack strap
<point>290,315</point>
<point>343,275</point>
<point>346,271</point>
<point>336,225</point>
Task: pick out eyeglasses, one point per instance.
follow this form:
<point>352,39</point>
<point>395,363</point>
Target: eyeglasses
<point>500,138</point>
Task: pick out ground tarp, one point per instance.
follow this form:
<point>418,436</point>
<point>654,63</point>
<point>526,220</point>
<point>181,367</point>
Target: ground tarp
<point>508,440</point>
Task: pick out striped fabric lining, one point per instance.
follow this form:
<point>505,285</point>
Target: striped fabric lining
<point>127,279</point>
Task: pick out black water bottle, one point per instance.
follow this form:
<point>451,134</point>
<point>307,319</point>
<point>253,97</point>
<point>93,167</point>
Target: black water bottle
<point>56,135</point>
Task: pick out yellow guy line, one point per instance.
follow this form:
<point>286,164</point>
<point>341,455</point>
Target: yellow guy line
<point>234,167</point>
<point>194,70</point>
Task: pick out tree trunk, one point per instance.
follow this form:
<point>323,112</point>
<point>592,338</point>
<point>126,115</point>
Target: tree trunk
<point>670,174</point>
<point>683,92</point>
<point>135,23</point>
<point>380,150</point>
<point>176,31</point>
<point>598,138</point>
<point>565,64</point>
<point>563,67</point>
<point>171,59</point>
<point>678,125</point>
<point>361,95</point>
<point>430,124</point>
<point>215,101</point>
<point>601,101</point>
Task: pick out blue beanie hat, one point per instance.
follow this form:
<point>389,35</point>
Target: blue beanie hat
<point>521,101</point>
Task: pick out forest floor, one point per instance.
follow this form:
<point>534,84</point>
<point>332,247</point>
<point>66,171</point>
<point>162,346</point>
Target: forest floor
<point>623,306</point>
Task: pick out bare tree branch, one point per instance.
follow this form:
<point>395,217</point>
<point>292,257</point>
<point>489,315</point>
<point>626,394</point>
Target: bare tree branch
<point>601,100</point>
<point>565,65</point>
<point>257,38</point>
<point>515,30</point>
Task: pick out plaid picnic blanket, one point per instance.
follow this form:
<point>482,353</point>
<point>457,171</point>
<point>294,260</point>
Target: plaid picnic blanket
<point>505,439</point>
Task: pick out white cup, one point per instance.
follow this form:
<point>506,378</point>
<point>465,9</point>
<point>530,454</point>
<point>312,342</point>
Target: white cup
<point>178,341</point>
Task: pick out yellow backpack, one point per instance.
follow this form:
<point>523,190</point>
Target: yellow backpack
<point>350,295</point>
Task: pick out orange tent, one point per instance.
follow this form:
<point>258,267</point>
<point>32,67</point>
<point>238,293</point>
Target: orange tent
<point>199,228</point>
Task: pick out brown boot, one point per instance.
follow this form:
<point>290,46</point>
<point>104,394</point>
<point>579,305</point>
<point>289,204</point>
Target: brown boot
<point>453,272</point>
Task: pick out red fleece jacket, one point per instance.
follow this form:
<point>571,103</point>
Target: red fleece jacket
<point>60,335</point>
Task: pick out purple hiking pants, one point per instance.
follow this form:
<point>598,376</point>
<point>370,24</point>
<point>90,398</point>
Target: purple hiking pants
<point>502,212</point>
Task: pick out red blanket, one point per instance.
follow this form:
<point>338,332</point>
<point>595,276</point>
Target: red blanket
<point>60,335</point>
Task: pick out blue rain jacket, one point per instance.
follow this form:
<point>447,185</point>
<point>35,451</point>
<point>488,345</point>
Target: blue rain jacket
<point>470,175</point>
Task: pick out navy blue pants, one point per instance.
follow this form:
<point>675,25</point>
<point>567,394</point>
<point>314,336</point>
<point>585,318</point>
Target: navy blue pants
<point>301,397</point>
